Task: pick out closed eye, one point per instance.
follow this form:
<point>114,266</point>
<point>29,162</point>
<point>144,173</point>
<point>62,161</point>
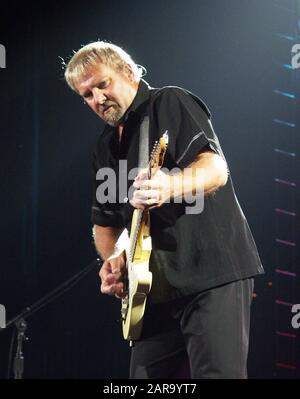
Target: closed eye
<point>104,84</point>
<point>87,95</point>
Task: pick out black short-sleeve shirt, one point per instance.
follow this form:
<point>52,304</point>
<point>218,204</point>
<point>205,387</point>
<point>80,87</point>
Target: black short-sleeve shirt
<point>190,252</point>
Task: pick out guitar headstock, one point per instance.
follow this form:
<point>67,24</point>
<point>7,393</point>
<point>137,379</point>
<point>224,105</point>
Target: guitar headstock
<point>164,141</point>
<point>158,153</point>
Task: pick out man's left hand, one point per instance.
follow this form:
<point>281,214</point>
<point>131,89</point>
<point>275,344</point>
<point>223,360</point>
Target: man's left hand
<point>151,193</point>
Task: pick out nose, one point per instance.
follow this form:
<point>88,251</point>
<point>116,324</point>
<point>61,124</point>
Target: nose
<point>99,96</point>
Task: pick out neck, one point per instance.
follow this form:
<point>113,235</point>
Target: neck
<point>120,130</point>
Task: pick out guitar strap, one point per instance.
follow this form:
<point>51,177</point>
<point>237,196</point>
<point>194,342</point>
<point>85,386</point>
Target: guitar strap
<point>144,143</point>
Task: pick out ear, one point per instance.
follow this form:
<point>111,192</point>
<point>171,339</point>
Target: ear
<point>129,72</point>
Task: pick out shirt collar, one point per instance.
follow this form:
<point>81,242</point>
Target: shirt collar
<point>142,95</point>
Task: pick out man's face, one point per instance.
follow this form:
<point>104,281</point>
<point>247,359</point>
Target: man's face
<point>107,92</point>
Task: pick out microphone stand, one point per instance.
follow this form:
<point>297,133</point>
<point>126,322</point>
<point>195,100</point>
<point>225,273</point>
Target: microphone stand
<point>20,323</point>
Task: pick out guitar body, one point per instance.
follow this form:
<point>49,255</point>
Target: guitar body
<point>139,279</point>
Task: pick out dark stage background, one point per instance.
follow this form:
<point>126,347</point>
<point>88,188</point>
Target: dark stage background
<point>236,55</point>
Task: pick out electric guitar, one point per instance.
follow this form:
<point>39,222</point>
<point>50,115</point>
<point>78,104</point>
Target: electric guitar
<point>138,278</point>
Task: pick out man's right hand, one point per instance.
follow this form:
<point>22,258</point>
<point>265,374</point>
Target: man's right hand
<point>112,274</point>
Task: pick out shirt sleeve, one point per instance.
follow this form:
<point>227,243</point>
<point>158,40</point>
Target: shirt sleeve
<point>104,213</point>
<point>187,120</point>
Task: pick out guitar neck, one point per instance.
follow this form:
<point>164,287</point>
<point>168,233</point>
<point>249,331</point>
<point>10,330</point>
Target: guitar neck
<point>135,231</point>
<point>155,163</point>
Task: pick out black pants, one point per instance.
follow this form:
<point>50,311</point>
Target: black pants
<point>200,336</point>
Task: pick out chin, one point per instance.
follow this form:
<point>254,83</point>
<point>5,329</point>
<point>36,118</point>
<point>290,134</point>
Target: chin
<point>113,120</point>
<point>112,123</point>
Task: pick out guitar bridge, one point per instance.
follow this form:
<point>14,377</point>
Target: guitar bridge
<point>124,308</point>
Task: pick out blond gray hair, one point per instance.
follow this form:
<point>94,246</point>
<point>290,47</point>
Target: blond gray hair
<point>98,52</point>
